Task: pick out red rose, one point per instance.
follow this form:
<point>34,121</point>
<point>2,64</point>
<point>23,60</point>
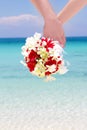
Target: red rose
<point>50,61</point>
<point>49,43</point>
<point>47,73</point>
<point>31,65</point>
<point>59,62</point>
<point>33,55</point>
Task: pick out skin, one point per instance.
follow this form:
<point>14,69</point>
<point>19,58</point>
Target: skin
<point>70,9</point>
<point>52,25</point>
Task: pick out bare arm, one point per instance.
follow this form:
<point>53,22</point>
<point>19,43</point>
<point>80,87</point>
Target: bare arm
<point>44,8</point>
<point>52,26</point>
<point>72,7</point>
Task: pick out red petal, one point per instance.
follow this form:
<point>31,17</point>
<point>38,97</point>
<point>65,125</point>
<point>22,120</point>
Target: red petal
<point>27,50</point>
<point>33,55</point>
<point>59,62</point>
<point>47,73</point>
<point>50,62</point>
<point>58,56</point>
<point>31,65</point>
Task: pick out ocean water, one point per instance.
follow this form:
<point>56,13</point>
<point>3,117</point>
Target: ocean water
<point>29,103</point>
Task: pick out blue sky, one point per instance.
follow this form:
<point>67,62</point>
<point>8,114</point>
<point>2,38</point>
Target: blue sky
<point>21,19</point>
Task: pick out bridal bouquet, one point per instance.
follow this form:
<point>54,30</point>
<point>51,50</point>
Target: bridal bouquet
<point>43,57</point>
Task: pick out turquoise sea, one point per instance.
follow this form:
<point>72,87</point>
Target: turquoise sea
<point>29,103</point>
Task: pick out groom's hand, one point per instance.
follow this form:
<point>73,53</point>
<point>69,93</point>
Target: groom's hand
<point>54,30</point>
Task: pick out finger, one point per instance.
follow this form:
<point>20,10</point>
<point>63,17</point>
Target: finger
<point>61,41</point>
<point>64,41</point>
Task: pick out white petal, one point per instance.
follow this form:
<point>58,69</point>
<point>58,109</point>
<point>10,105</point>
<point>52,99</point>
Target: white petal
<point>51,68</point>
<point>37,36</point>
<point>22,62</point>
<point>63,70</point>
<point>50,78</point>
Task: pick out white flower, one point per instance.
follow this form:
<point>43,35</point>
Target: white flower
<point>24,52</point>
<point>22,62</point>
<point>44,43</point>
<point>57,50</point>
<point>62,70</point>
<point>37,36</point>
<point>51,68</point>
<point>57,47</point>
<point>31,42</point>
<point>24,48</point>
<point>50,78</point>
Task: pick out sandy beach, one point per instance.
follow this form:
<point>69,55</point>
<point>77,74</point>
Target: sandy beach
<point>29,103</point>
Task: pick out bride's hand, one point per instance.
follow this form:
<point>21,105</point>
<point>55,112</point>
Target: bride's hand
<point>52,26</point>
<point>53,29</point>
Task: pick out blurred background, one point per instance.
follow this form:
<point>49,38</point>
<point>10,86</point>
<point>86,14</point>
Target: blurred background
<point>21,19</point>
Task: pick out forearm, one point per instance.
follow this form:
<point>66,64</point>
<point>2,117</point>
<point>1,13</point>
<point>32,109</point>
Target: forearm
<point>52,26</point>
<point>44,8</point>
<point>71,9</point>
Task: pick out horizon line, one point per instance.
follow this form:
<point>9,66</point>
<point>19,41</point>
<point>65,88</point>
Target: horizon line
<point>29,36</point>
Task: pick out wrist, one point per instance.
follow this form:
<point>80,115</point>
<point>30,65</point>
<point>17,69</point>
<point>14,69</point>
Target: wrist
<point>50,17</point>
<point>60,19</point>
<point>49,14</point>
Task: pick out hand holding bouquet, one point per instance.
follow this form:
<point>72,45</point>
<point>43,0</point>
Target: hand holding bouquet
<point>43,57</point>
